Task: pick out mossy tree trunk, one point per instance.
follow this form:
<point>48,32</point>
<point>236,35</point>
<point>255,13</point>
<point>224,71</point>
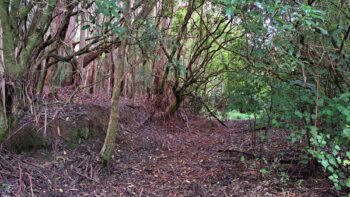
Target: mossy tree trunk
<point>18,51</point>
<point>113,124</point>
<point>175,105</point>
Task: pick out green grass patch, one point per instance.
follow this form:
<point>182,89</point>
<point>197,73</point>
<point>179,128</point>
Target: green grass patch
<point>236,115</point>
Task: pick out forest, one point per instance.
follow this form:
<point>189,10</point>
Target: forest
<point>174,98</point>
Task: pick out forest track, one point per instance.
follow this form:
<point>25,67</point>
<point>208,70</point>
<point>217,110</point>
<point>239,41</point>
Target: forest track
<point>163,158</point>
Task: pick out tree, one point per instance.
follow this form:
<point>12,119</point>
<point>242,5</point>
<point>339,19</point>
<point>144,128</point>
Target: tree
<point>21,48</point>
<point>35,34</point>
<point>126,28</point>
<point>113,124</point>
<point>302,48</point>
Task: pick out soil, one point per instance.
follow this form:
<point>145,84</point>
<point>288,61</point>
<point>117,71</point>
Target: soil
<point>182,156</point>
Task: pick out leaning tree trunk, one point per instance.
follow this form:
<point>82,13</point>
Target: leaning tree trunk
<point>113,124</point>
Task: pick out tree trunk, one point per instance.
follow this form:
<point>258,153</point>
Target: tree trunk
<point>16,58</point>
<point>175,105</point>
<point>122,86</point>
<point>133,84</point>
<point>111,73</point>
<point>80,71</point>
<point>113,125</point>
<point>3,119</point>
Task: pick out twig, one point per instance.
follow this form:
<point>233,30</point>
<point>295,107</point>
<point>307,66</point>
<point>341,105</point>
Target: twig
<point>241,152</point>
<point>84,87</point>
<point>15,132</point>
<point>30,184</point>
<point>141,192</point>
<point>8,174</point>
<point>316,111</point>
<point>187,123</point>
<point>20,181</point>
<point>212,113</point>
<point>3,98</point>
<point>85,176</point>
<point>45,124</point>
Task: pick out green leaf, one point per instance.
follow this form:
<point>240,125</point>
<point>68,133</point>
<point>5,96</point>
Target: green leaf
<point>337,187</point>
<point>317,16</point>
<point>85,27</point>
<point>264,171</point>
<point>332,160</point>
<point>339,160</point>
<point>348,154</point>
<point>298,114</point>
<point>309,23</point>
<point>323,31</point>
<point>229,11</point>
<point>6,187</point>
<point>242,159</point>
<point>348,182</point>
<point>103,56</point>
<point>346,133</point>
<point>337,147</point>
<point>325,164</point>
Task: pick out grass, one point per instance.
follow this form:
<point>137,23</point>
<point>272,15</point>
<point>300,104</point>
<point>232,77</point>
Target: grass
<point>236,115</point>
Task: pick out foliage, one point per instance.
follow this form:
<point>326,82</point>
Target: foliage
<point>332,140</point>
<point>6,188</point>
<point>295,56</point>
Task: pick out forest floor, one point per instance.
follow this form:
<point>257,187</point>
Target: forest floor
<point>183,156</point>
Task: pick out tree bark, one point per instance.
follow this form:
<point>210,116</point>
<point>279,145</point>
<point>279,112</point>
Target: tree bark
<point>133,84</point>
<point>82,43</point>
<point>3,119</point>
<point>113,125</point>
<point>175,105</point>
<point>18,51</point>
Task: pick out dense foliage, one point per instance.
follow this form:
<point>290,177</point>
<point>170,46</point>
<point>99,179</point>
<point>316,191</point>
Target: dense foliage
<point>296,74</point>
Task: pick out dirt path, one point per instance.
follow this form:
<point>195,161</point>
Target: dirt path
<point>196,159</point>
<point>173,158</point>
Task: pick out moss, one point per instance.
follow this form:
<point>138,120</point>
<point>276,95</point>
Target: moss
<point>73,135</point>
<point>84,133</point>
<point>76,136</point>
<point>3,130</point>
<point>72,145</point>
<point>2,134</point>
<point>173,107</point>
<point>3,127</point>
<point>12,121</point>
<point>31,141</point>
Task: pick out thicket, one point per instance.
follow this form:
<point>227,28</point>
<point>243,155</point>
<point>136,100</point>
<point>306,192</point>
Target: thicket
<point>295,75</point>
